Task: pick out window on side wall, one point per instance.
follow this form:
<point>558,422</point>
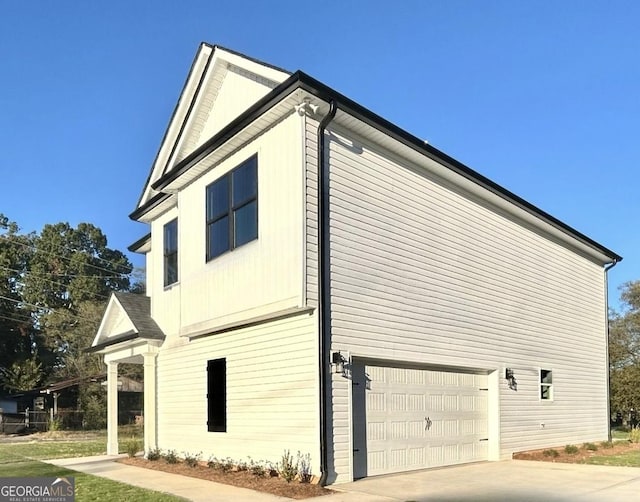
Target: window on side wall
<point>546,385</point>
<point>232,209</point>
<point>171,252</point>
<point>217,395</point>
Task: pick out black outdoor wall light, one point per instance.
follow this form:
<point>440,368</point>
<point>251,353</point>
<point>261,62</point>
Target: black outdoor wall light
<point>511,379</point>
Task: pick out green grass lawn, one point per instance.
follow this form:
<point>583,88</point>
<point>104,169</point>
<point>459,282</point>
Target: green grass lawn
<point>88,488</point>
<point>21,460</point>
<point>618,434</point>
<point>627,459</point>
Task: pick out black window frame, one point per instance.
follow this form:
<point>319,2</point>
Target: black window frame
<point>217,395</point>
<point>546,385</point>
<point>232,209</point>
<point>170,253</point>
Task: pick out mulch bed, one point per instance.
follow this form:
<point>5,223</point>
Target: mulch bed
<point>581,456</point>
<point>242,479</point>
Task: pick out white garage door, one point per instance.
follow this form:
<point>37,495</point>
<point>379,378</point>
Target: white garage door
<point>420,418</point>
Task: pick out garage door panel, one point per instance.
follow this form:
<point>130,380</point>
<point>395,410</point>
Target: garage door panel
<point>421,418</point>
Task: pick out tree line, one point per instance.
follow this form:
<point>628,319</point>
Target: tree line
<point>54,286</point>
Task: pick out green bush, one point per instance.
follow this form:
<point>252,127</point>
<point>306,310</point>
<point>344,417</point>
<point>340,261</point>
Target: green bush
<point>192,460</point>
<point>132,447</point>
<point>287,468</point>
<point>606,444</point>
<point>257,468</point>
<point>171,457</point>
<point>590,446</point>
<point>54,424</point>
<point>571,449</point>
<point>95,413</point>
<point>551,453</point>
<point>634,435</point>
<point>154,454</point>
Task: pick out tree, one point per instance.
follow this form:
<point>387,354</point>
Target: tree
<point>54,287</point>
<point>24,358</point>
<point>624,352</point>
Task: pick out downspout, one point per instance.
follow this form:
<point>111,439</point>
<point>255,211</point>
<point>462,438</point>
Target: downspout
<point>324,296</point>
<point>606,313</point>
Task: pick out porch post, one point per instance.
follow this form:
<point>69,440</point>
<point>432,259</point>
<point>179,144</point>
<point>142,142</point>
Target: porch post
<point>150,431</point>
<point>112,408</point>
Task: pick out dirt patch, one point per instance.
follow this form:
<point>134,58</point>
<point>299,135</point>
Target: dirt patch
<point>242,479</point>
<point>581,456</point>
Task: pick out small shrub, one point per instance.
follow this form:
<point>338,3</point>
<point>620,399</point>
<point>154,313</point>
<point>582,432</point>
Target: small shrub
<point>571,449</point>
<point>171,457</point>
<point>192,460</point>
<point>242,466</point>
<point>54,424</point>
<point>272,469</point>
<point>213,463</point>
<point>132,446</point>
<point>590,446</point>
<point>154,454</point>
<point>634,435</point>
<point>287,468</point>
<point>304,468</point>
<point>257,468</point>
<point>551,453</point>
<point>226,464</point>
<point>607,444</point>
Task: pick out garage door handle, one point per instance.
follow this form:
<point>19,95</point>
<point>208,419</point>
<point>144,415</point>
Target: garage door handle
<point>427,424</point>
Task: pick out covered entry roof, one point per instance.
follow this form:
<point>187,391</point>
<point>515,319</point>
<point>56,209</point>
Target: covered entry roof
<point>127,317</point>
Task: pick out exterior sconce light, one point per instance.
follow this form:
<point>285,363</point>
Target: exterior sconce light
<point>511,379</point>
<point>339,361</point>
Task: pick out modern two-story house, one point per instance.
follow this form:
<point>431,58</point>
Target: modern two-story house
<point>320,280</point>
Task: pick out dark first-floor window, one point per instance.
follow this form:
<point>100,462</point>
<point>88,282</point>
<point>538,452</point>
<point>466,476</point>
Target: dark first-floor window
<point>217,395</point>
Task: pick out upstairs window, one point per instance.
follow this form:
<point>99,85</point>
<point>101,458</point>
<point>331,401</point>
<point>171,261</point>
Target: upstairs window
<point>171,252</point>
<point>546,385</point>
<point>217,395</point>
<point>232,209</point>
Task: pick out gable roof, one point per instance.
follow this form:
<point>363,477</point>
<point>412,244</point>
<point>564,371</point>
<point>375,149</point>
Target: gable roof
<point>127,317</point>
<point>196,100</point>
<point>352,111</point>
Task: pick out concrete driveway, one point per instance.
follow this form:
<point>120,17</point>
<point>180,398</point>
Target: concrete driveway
<point>512,481</point>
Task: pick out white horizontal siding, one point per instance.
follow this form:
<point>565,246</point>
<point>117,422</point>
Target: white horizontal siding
<point>422,273</point>
<point>272,392</point>
<point>311,210</point>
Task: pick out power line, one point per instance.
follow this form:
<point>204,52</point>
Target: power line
<point>27,272</point>
<point>39,307</point>
<point>50,253</point>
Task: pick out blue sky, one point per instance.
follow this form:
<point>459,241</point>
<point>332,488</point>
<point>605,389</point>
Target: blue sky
<point>541,97</point>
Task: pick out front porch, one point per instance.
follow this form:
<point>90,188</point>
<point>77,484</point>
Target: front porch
<point>127,334</point>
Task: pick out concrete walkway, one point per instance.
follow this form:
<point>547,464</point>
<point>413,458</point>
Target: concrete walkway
<point>508,481</point>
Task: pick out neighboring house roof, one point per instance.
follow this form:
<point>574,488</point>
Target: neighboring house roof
<point>127,317</point>
<point>301,81</point>
<point>128,384</point>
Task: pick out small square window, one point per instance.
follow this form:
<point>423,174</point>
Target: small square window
<point>546,385</point>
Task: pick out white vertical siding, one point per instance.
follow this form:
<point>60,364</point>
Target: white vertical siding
<point>421,273</point>
<point>272,392</point>
<point>258,278</point>
<point>165,301</point>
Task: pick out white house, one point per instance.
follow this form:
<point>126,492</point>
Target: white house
<point>321,280</point>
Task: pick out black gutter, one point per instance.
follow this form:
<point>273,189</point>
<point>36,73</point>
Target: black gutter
<point>230,130</point>
<point>155,201</point>
<point>324,294</point>
<point>300,80</point>
<point>139,243</point>
<point>606,313</point>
